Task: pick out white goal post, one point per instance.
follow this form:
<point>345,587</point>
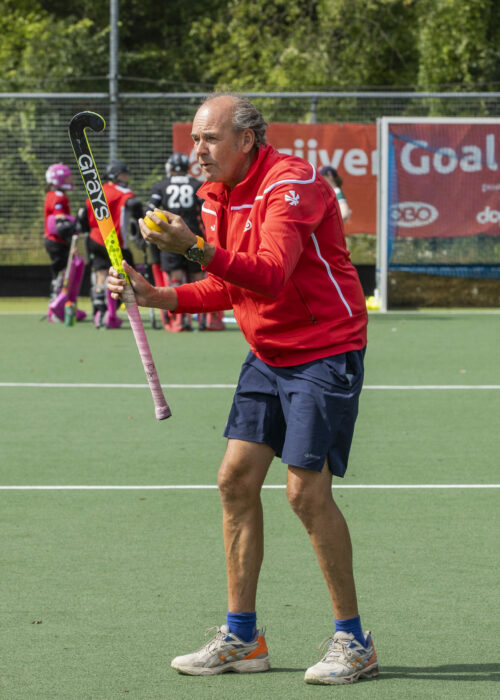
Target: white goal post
<point>438,197</point>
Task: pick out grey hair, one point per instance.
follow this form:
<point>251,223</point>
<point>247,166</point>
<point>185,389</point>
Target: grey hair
<point>245,116</point>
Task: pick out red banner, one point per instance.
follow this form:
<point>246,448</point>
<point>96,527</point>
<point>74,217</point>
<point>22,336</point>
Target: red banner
<point>445,179</point>
<point>349,148</point>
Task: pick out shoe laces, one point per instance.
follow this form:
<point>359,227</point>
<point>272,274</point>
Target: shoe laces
<point>337,648</point>
<point>216,641</point>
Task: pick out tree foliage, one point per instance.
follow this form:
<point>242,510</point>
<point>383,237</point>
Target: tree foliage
<point>461,44</point>
<point>63,45</point>
<point>314,44</point>
<point>40,52</point>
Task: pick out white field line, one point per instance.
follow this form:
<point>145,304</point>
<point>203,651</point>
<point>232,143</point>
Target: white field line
<point>62,385</point>
<point>377,387</point>
<point>373,312</point>
<point>213,487</point>
<point>446,387</point>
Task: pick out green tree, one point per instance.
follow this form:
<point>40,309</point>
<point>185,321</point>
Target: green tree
<point>251,44</point>
<point>156,52</point>
<point>310,44</point>
<point>460,47</point>
<point>40,52</point>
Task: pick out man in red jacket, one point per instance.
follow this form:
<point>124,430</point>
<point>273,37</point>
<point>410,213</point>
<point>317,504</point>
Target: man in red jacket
<point>275,253</point>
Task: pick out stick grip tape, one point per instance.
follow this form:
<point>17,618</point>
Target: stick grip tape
<point>162,409</point>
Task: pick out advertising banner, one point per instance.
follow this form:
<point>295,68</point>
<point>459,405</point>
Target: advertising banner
<point>349,148</point>
<point>444,179</point>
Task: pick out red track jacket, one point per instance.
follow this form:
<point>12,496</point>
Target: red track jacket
<point>281,263</point>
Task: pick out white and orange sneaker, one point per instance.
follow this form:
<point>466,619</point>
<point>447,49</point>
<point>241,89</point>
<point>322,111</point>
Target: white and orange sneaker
<point>225,652</point>
<point>345,661</point>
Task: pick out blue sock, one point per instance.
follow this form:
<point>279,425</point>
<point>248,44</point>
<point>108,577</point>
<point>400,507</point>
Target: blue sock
<point>243,625</point>
<point>353,626</point>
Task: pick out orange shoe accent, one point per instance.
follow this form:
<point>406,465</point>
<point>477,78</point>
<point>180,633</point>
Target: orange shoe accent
<point>260,649</point>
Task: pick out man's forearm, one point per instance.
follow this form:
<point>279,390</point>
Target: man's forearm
<point>163,298</point>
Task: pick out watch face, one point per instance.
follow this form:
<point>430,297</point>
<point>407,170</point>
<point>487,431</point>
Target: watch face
<point>195,254</point>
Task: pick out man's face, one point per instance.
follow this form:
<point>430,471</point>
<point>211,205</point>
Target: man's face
<point>223,154</point>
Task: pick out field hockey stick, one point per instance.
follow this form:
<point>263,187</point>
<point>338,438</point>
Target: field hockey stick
<point>72,251</point>
<point>147,276</point>
<point>93,186</point>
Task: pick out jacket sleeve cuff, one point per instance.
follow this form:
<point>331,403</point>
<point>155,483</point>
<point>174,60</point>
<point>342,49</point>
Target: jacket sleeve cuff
<point>219,264</point>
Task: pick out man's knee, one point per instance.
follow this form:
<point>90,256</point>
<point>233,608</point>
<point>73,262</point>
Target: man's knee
<point>300,500</point>
<point>243,471</point>
<point>235,482</point>
<point>308,493</point>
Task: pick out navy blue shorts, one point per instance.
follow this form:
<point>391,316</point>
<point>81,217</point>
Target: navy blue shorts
<point>305,413</point>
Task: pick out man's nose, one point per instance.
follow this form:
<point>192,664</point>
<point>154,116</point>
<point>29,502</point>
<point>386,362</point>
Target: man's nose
<point>201,147</point>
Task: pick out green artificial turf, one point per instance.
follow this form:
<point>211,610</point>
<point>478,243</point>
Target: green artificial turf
<point>101,588</point>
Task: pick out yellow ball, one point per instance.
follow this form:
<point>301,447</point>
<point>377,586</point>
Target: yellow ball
<point>152,224</point>
<point>372,304</point>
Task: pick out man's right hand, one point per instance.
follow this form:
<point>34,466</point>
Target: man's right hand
<point>145,293</point>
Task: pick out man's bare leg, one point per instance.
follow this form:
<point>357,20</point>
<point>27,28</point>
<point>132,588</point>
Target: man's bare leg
<point>310,495</point>
<point>241,476</point>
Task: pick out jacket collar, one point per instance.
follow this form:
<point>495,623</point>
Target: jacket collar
<point>220,192</point>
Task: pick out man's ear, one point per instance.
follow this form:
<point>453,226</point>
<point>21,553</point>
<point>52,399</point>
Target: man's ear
<point>248,140</point>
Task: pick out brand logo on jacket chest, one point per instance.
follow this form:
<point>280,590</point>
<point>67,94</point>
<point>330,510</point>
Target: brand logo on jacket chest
<point>292,198</point>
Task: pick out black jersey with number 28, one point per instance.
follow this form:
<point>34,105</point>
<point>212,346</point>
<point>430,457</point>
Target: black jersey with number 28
<point>177,194</point>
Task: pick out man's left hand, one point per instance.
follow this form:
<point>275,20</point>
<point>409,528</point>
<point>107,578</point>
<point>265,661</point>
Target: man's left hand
<point>174,236</point>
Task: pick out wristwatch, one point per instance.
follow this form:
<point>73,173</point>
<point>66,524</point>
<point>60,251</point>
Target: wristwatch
<point>196,252</point>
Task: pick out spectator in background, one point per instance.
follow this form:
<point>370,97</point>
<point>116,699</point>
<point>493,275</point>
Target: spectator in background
<point>334,179</point>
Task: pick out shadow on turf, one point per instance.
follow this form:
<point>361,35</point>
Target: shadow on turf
<point>454,672</point>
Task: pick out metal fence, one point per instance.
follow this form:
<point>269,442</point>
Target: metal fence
<point>33,134</point>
